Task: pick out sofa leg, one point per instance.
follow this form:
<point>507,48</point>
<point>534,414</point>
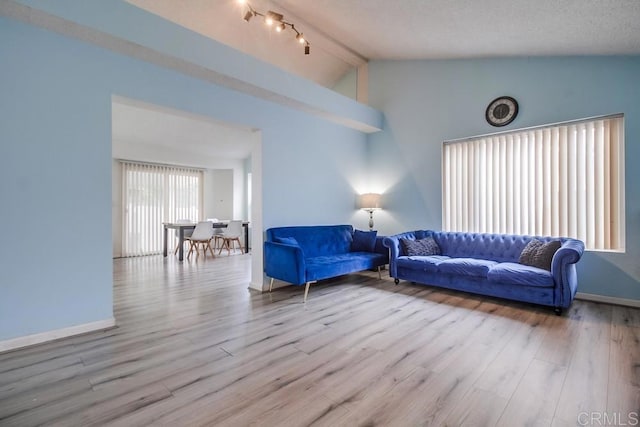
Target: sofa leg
<point>558,311</point>
<point>271,284</point>
<point>379,274</point>
<point>306,291</point>
<point>396,281</point>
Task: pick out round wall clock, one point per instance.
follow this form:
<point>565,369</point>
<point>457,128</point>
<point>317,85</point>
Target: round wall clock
<point>501,111</point>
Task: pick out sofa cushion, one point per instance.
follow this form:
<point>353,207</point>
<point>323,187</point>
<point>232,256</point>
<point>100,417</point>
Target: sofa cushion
<point>420,247</point>
<point>519,274</point>
<point>286,240</point>
<point>466,266</point>
<point>363,241</point>
<point>421,263</point>
<point>539,254</point>
<point>322,267</point>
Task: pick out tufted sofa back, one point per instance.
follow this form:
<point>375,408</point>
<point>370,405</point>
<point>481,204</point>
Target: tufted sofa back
<point>317,240</point>
<point>494,247</point>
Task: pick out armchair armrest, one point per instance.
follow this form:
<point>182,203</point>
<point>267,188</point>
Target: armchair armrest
<point>284,262</point>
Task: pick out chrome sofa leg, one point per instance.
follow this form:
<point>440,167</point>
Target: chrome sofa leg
<point>271,284</point>
<point>379,274</point>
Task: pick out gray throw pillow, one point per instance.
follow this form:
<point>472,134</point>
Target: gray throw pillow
<point>422,247</point>
<point>539,254</point>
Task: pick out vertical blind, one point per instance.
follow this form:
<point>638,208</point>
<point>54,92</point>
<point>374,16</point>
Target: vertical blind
<point>153,194</point>
<point>565,179</point>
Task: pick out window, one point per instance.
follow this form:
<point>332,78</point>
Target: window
<point>565,179</point>
<point>153,194</point>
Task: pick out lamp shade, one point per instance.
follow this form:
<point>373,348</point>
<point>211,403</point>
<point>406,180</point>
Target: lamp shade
<point>369,201</point>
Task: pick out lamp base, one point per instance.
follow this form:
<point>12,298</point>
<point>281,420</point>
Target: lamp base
<point>370,219</point>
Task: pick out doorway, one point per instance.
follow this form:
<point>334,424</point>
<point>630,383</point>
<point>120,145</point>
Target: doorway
<point>229,154</point>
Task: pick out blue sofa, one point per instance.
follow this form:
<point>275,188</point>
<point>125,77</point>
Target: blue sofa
<point>488,264</point>
<point>306,254</point>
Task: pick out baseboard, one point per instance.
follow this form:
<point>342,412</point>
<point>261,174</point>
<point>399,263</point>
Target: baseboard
<point>28,340</point>
<point>609,300</point>
<point>257,286</point>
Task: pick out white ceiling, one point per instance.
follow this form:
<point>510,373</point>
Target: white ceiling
<point>135,122</point>
<point>346,33</point>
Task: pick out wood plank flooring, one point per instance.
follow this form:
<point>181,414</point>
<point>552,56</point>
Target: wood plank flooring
<point>194,346</point>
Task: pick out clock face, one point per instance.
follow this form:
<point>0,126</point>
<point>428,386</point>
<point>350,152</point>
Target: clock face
<point>501,111</point>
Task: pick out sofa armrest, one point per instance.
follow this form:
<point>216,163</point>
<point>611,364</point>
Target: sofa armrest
<point>563,270</point>
<point>380,248</point>
<point>284,262</point>
<point>393,243</point>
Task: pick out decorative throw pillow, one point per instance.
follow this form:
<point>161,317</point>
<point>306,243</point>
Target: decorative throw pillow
<point>363,241</point>
<point>421,247</point>
<point>539,254</point>
<point>286,240</point>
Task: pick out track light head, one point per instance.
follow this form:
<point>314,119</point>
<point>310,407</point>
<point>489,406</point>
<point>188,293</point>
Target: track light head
<point>307,49</point>
<point>300,38</point>
<point>248,15</point>
<point>280,27</point>
<point>272,17</point>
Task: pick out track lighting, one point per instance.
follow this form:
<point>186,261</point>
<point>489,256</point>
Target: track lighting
<point>271,18</point>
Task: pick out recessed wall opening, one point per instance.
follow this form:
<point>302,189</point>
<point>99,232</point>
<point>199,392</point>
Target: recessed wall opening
<point>228,154</point>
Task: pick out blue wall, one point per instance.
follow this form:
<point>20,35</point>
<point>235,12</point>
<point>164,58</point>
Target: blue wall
<point>55,168</point>
<point>427,102</point>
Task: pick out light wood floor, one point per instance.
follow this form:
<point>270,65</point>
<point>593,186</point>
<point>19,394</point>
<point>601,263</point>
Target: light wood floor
<point>194,346</point>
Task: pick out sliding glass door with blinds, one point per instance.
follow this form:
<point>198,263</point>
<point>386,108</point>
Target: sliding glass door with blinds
<point>153,194</point>
<point>565,179</point>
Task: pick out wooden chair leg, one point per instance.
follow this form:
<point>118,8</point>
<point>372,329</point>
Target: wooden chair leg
<point>191,245</point>
<point>210,248</point>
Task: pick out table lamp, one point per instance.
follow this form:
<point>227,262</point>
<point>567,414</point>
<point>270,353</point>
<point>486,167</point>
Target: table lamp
<point>369,202</point>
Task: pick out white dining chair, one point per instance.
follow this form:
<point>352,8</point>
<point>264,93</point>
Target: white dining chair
<point>187,233</point>
<point>202,234</point>
<point>217,232</point>
<point>231,234</point>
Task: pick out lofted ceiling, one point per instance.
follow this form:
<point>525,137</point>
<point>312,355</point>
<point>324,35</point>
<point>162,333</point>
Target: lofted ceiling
<point>346,33</point>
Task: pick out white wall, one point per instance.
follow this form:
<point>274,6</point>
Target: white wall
<point>219,193</point>
<point>224,187</point>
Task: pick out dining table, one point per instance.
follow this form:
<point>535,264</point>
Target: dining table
<point>182,226</point>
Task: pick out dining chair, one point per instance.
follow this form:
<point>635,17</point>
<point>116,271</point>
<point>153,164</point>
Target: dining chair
<point>187,233</point>
<point>217,232</point>
<point>202,234</point>
<point>231,234</point>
